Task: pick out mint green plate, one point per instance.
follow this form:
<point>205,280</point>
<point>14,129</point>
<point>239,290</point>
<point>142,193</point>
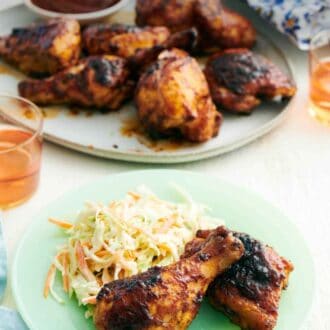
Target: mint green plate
<point>241,209</point>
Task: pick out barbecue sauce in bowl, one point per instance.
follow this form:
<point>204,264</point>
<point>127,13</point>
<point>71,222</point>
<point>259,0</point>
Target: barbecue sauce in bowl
<point>74,6</point>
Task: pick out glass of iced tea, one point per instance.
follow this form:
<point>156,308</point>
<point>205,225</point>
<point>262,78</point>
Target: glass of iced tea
<point>20,149</point>
<point>320,76</point>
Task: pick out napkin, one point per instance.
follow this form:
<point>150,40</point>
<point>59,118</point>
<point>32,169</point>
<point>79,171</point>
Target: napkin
<point>298,19</point>
<point>9,319</point>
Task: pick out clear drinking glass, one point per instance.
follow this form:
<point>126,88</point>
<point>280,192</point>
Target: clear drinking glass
<point>320,76</point>
<point>20,149</point>
<point>319,63</point>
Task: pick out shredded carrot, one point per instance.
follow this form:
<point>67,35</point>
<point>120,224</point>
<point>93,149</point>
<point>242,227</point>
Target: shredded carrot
<point>89,300</point>
<point>61,223</point>
<point>135,196</point>
<point>101,253</point>
<point>65,273</point>
<point>82,264</point>
<point>49,279</point>
<point>113,205</point>
<point>129,254</point>
<point>87,244</point>
<point>59,258</point>
<point>166,226</point>
<point>164,246</point>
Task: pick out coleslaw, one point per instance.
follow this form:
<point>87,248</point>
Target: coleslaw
<point>121,239</point>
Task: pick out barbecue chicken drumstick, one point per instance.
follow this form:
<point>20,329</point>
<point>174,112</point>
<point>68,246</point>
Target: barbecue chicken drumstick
<point>97,81</point>
<point>239,78</point>
<point>166,297</point>
<point>249,291</point>
<point>43,48</point>
<point>172,98</point>
<point>122,40</point>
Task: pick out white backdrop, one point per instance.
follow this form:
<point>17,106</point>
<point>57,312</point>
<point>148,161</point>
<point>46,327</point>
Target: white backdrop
<point>289,167</point>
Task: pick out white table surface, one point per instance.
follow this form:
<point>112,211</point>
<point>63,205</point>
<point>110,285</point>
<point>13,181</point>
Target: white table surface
<point>9,3</point>
<point>289,167</point>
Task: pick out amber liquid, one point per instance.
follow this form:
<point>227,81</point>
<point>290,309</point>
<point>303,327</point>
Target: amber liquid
<point>320,92</point>
<point>19,167</point>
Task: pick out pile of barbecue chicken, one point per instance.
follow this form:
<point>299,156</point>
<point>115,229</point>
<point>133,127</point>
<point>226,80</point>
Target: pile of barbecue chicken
<point>241,277</point>
<point>104,65</point>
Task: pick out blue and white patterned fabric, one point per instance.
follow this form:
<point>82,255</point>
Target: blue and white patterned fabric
<point>298,19</point>
<point>9,319</point>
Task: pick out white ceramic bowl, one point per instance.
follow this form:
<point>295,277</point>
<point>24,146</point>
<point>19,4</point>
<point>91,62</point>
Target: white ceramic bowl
<point>83,18</point>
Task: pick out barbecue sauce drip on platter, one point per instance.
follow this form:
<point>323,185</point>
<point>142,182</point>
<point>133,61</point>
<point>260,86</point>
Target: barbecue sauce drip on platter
<point>74,6</point>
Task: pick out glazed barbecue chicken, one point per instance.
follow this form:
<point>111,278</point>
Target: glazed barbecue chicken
<point>221,28</point>
<point>239,79</point>
<point>140,46</point>
<point>97,81</point>
<point>218,27</point>
<point>177,15</point>
<point>166,297</point>
<point>249,291</point>
<point>122,40</point>
<point>43,48</point>
<point>173,99</point>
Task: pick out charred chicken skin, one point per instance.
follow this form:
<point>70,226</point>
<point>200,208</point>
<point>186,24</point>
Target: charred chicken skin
<point>239,78</point>
<point>173,99</point>
<point>97,81</point>
<point>43,48</point>
<point>167,297</point>
<point>140,46</point>
<point>249,291</point>
<point>218,27</point>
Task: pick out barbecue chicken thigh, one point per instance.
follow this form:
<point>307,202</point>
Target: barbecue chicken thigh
<point>166,297</point>
<point>140,46</point>
<point>249,291</point>
<point>96,81</point>
<point>239,78</point>
<point>43,48</point>
<point>218,27</point>
<point>173,99</point>
<point>222,28</point>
